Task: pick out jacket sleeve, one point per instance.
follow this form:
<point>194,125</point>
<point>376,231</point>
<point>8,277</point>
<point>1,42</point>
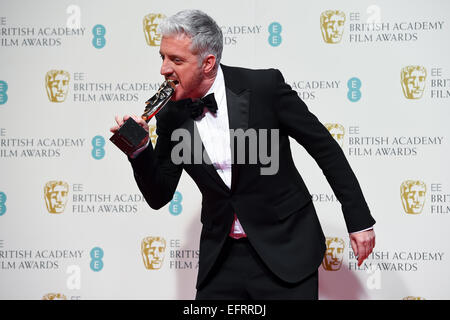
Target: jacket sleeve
<point>305,128</point>
<point>156,175</point>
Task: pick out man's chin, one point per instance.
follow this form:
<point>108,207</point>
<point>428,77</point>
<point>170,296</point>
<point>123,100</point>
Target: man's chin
<point>178,97</point>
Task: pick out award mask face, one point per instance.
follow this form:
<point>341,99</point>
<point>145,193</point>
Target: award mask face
<point>57,85</point>
<point>413,81</point>
<point>56,194</point>
<point>413,196</point>
<point>151,22</point>
<point>337,131</point>
<point>334,254</point>
<point>332,25</point>
<point>153,252</point>
<point>54,296</point>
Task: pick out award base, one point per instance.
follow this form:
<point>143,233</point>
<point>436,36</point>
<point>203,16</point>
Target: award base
<point>129,137</point>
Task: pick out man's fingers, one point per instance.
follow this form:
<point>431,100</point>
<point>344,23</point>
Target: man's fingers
<point>354,246</point>
<point>362,253</point>
<point>363,243</point>
<point>121,120</point>
<point>113,129</point>
<point>137,119</point>
<point>365,248</point>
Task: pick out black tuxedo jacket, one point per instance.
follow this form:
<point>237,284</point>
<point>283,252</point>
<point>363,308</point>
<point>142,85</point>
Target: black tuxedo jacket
<point>276,210</point>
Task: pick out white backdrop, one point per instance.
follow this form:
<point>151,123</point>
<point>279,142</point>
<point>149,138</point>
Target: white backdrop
<point>90,246</point>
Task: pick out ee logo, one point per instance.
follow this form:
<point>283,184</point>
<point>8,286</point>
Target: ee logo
<point>98,142</point>
<point>96,256</point>
<point>175,206</point>
<point>2,203</point>
<point>3,89</point>
<point>99,40</point>
<point>274,34</point>
<point>353,85</point>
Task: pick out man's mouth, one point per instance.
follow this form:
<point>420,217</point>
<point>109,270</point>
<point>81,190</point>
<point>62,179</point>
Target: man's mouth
<point>175,82</point>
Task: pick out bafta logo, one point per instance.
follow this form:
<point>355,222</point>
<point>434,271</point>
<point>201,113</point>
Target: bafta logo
<point>413,196</point>
<point>413,81</point>
<point>54,296</point>
<point>151,22</point>
<point>413,298</point>
<point>152,133</point>
<point>153,251</point>
<point>334,254</point>
<point>55,195</point>
<point>332,25</point>
<point>337,131</point>
<point>57,85</point>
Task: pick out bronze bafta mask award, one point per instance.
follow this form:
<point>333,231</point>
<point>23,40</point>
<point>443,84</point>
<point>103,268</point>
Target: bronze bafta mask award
<point>130,136</point>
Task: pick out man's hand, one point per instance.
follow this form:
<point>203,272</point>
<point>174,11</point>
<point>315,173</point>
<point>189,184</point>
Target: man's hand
<point>139,121</point>
<point>362,244</point>
<point>120,122</point>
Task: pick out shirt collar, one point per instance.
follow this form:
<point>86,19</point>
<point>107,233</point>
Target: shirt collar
<point>218,84</point>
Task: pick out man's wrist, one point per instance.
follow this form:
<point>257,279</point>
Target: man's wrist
<point>138,151</point>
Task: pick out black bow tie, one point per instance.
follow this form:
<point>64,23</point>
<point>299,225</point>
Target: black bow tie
<point>196,107</point>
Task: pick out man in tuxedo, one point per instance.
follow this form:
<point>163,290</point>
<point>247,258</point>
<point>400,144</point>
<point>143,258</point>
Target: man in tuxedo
<point>261,238</point>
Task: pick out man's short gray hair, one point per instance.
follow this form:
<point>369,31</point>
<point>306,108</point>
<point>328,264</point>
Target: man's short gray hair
<point>205,34</point>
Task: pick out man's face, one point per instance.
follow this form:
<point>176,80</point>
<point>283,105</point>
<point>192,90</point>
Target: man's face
<point>59,86</point>
<point>414,84</point>
<point>155,254</point>
<point>179,63</point>
<point>334,27</point>
<point>414,199</point>
<point>334,255</point>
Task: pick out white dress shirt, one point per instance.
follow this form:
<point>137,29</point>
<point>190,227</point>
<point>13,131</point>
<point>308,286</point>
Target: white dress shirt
<point>214,130</point>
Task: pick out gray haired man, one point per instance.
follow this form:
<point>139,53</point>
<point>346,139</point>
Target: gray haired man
<point>261,238</point>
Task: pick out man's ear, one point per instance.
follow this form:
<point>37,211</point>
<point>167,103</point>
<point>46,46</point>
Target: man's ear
<point>209,63</point>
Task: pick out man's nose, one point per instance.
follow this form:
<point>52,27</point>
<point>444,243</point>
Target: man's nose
<point>166,69</point>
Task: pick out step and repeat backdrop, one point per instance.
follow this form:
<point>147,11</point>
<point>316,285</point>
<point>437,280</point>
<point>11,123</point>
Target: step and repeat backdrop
<point>73,224</point>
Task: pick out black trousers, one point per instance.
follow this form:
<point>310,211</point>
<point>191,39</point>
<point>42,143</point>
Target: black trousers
<point>240,274</point>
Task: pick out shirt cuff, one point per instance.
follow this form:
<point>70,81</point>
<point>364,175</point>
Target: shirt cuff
<point>138,151</point>
<point>362,230</point>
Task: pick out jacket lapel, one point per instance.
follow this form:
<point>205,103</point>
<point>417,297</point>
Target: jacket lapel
<point>198,154</point>
<point>238,104</point>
